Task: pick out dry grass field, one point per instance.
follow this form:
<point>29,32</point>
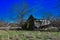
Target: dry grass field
<point>28,35</point>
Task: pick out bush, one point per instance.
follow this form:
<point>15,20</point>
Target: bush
<point>52,29</point>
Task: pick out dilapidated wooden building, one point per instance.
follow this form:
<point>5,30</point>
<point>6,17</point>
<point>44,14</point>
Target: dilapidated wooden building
<point>33,23</point>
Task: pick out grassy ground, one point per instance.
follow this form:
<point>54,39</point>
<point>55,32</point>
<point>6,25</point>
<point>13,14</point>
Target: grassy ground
<point>29,35</point>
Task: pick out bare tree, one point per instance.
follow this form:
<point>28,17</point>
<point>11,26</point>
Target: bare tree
<point>21,11</point>
<point>2,23</point>
<point>47,15</point>
<point>57,21</point>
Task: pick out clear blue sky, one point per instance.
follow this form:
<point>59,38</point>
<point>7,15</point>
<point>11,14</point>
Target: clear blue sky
<point>39,6</point>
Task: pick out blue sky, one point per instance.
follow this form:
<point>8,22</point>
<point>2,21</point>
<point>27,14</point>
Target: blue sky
<point>39,7</point>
